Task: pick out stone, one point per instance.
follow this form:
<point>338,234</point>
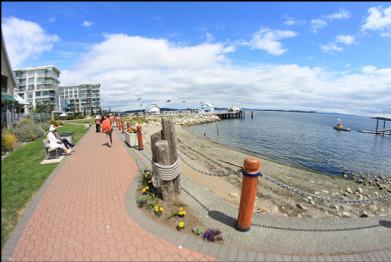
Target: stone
<point>325,191</point>
<point>312,181</point>
<point>301,207</point>
<point>334,207</point>
<point>309,197</point>
<point>317,193</point>
<point>364,214</point>
<point>346,214</point>
<point>312,202</point>
<point>373,208</point>
<point>349,190</point>
<point>233,195</point>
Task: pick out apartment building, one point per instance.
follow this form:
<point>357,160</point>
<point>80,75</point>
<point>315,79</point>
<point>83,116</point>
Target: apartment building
<point>37,85</point>
<point>83,98</point>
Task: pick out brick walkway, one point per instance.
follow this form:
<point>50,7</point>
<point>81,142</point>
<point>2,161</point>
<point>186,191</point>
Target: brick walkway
<point>82,215</point>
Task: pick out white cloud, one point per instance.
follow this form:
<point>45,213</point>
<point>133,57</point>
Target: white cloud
<point>290,21</point>
<point>331,48</point>
<point>25,39</point>
<point>317,24</point>
<point>379,19</point>
<point>129,67</point>
<point>322,22</point>
<point>340,15</point>
<point>87,23</point>
<point>369,69</point>
<point>345,39</point>
<point>268,40</point>
<point>209,37</point>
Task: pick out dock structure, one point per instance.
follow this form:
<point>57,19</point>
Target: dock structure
<point>231,115</point>
<point>379,131</point>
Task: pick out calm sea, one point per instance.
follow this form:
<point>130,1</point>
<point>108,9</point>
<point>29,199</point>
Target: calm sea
<point>307,140</point>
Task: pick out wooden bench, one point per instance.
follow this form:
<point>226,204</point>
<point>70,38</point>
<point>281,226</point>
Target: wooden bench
<point>51,153</point>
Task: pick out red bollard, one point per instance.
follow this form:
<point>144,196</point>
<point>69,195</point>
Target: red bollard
<point>249,189</point>
<point>140,138</point>
<point>122,127</point>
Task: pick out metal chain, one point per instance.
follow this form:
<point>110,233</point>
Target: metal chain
<point>289,188</point>
<point>292,189</point>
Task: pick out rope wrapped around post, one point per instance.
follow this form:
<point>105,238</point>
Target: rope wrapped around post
<point>166,173</point>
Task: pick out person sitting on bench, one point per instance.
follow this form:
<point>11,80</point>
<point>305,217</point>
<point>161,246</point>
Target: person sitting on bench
<point>56,143</point>
<point>64,140</point>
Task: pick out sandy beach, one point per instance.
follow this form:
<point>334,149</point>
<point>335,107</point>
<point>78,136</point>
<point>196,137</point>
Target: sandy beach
<point>222,164</point>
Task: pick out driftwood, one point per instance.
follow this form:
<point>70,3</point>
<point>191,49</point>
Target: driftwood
<point>164,152</point>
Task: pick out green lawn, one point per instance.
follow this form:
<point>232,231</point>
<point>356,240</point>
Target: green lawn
<point>22,175</point>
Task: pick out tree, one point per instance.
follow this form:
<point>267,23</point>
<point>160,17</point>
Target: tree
<point>44,107</point>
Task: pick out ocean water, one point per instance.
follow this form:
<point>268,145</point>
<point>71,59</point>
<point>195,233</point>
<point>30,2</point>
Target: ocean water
<point>307,140</point>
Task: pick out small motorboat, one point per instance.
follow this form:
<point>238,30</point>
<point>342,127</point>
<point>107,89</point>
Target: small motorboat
<point>340,126</point>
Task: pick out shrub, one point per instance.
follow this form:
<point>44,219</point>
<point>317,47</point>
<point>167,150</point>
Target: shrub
<point>24,121</point>
<point>8,141</point>
<point>44,126</point>
<point>28,132</point>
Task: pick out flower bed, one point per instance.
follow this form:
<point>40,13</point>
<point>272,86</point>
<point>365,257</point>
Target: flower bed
<point>175,215</point>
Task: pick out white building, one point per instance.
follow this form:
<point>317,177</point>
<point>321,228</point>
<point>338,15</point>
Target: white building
<point>152,110</point>
<point>206,107</point>
<point>79,99</point>
<point>37,85</point>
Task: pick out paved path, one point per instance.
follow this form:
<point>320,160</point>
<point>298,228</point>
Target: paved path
<point>82,214</point>
<point>87,212</point>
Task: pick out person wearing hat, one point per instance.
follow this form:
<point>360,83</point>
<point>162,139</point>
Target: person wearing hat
<point>98,123</point>
<point>67,144</point>
<point>56,143</point>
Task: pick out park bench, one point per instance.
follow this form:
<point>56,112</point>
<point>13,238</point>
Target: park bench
<point>51,153</point>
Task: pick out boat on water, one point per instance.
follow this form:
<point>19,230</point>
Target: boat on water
<point>340,126</point>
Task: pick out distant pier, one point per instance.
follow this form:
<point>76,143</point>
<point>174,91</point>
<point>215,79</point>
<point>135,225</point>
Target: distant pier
<point>231,115</point>
<point>379,131</point>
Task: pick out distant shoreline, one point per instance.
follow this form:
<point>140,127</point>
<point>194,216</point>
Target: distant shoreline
<point>280,110</point>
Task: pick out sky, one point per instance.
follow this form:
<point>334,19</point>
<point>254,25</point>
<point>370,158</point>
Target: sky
<point>323,56</point>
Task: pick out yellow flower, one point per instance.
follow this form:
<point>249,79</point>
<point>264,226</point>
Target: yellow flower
<point>147,187</point>
<point>161,209</point>
<point>181,224</point>
<point>157,208</point>
<point>144,190</point>
<point>181,209</point>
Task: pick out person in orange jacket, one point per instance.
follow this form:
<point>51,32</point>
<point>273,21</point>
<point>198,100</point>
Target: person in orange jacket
<point>107,128</point>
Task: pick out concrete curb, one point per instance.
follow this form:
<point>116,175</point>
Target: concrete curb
<point>225,252</point>
<point>9,246</point>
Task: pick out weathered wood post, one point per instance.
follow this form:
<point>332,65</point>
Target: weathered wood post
<point>164,152</point>
<point>168,133</point>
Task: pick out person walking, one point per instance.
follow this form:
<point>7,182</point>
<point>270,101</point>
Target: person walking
<point>97,123</point>
<point>107,128</point>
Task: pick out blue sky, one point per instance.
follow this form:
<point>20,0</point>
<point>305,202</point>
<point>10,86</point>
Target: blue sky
<point>319,56</point>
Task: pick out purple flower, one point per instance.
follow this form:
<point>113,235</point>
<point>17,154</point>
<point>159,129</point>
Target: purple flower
<point>212,235</point>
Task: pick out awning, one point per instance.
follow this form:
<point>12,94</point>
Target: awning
<point>20,100</point>
<point>5,98</point>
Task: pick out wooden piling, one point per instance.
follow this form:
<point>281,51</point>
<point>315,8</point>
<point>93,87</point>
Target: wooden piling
<point>164,152</point>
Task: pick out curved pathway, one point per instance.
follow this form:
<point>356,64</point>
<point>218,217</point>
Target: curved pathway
<point>82,214</point>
